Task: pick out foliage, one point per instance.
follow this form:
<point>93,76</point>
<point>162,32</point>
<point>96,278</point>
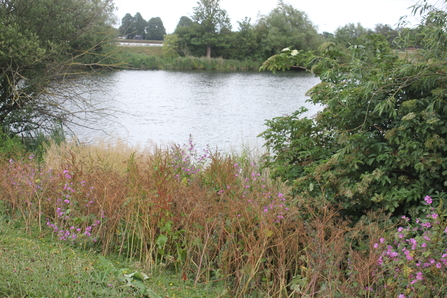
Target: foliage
<point>184,22</point>
<point>140,26</point>
<point>416,256</point>
<point>78,273</point>
<point>244,43</point>
<point>155,29</point>
<point>127,27</point>
<point>219,223</point>
<point>379,140</point>
<point>286,26</point>
<point>212,21</point>
<point>171,46</point>
<point>43,43</point>
<point>388,32</point>
<point>158,61</point>
<point>350,34</point>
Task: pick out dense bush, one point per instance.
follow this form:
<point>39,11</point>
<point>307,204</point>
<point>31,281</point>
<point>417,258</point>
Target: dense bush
<point>379,141</point>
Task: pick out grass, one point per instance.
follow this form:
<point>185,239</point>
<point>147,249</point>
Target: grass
<point>145,50</point>
<point>151,57</point>
<point>40,266</point>
<point>197,223</point>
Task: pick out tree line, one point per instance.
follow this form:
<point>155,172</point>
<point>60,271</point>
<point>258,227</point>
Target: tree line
<point>136,27</point>
<point>208,32</point>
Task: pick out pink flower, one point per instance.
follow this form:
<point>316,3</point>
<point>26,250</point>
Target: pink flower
<point>426,224</point>
<point>428,200</point>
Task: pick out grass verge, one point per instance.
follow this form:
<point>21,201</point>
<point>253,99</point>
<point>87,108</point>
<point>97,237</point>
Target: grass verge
<point>40,266</point>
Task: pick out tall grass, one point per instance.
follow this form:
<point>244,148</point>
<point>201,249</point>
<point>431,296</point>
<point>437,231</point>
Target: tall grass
<point>211,217</point>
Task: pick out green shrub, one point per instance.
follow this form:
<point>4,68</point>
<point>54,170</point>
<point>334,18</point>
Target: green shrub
<point>379,141</point>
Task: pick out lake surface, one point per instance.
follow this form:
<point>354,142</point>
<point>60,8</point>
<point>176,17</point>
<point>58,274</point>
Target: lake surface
<point>224,110</point>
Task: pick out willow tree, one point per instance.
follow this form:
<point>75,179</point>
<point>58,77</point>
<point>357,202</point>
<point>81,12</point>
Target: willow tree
<point>286,26</point>
<point>213,21</point>
<point>380,139</point>
<point>42,44</point>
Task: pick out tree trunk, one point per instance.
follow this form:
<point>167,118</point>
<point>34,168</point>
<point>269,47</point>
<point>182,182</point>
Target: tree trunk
<point>208,51</point>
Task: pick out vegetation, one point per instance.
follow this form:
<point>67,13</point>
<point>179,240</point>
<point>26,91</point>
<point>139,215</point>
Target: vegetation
<point>213,22</point>
<point>350,203</point>
<point>379,142</point>
<point>136,27</point>
<point>143,61</point>
<point>288,26</point>
<point>41,51</point>
<point>208,33</point>
<point>214,220</point>
<point>155,29</point>
<point>41,266</point>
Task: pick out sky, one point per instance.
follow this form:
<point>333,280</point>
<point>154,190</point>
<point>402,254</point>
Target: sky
<point>327,15</point>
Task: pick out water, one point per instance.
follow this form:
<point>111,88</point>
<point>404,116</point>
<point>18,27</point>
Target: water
<point>225,110</point>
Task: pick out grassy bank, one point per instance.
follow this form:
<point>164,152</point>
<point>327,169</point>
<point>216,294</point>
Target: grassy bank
<point>38,265</point>
<point>215,220</point>
<point>143,61</point>
<point>147,57</point>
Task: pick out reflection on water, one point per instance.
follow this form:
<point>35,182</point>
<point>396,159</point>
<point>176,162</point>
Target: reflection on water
<point>219,109</point>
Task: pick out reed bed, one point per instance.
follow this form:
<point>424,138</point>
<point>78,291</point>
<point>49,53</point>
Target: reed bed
<point>211,217</point>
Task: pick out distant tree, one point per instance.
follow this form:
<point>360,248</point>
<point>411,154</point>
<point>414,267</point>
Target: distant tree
<point>140,26</point>
<point>132,26</point>
<point>286,26</point>
<point>387,31</point>
<point>155,29</point>
<point>213,22</point>
<point>127,27</point>
<point>329,36</point>
<point>190,40</point>
<point>184,22</point>
<point>243,43</point>
<point>349,34</point>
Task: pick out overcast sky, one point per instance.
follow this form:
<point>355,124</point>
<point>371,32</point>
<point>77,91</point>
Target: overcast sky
<point>327,15</point>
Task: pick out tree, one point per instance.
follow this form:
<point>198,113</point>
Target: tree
<point>349,34</point>
<point>184,22</point>
<point>133,26</point>
<point>387,31</point>
<point>243,44</point>
<point>127,27</point>
<point>140,26</point>
<point>189,40</point>
<point>155,29</point>
<point>379,141</point>
<point>286,26</point>
<point>42,44</point>
<point>213,22</point>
